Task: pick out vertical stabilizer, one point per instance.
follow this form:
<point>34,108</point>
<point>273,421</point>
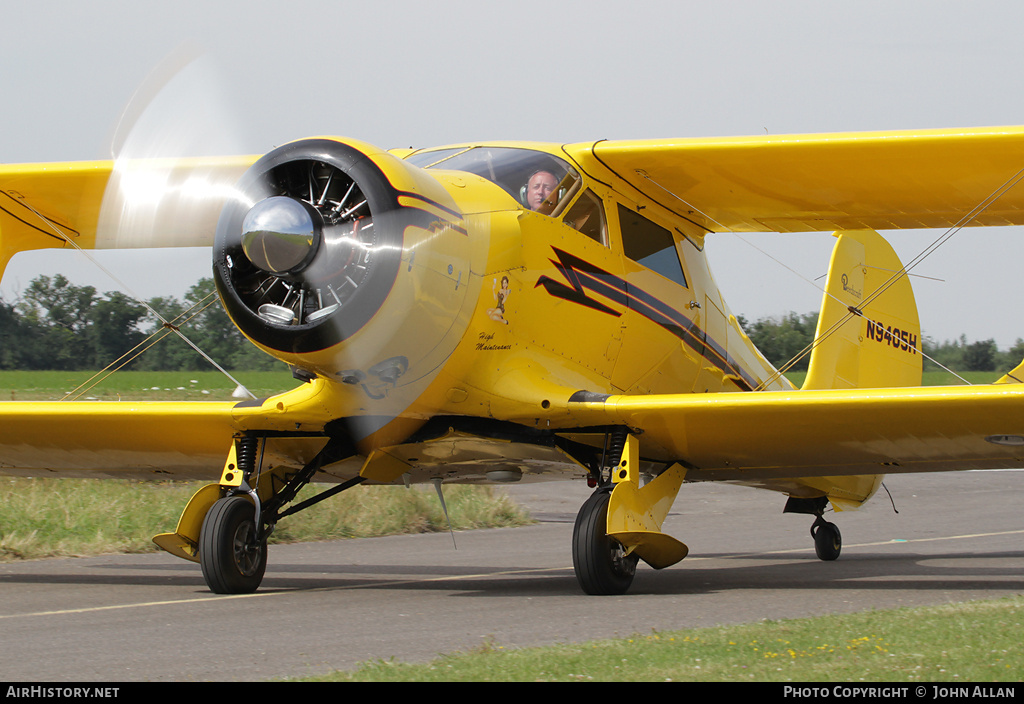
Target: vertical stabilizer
<point>868,335</point>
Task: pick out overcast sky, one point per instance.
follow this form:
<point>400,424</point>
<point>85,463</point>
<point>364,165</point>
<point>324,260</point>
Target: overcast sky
<point>406,73</point>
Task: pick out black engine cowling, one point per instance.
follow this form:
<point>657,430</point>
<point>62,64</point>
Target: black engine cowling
<point>309,249</point>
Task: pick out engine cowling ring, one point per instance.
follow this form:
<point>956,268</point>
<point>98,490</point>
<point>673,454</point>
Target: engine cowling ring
<point>353,270</point>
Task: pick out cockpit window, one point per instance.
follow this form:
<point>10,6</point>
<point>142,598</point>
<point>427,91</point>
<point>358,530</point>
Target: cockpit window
<point>587,216</point>
<point>650,245</point>
<point>511,168</point>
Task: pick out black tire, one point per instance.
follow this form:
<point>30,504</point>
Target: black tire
<point>828,542</point>
<point>599,563</point>
<point>232,558</point>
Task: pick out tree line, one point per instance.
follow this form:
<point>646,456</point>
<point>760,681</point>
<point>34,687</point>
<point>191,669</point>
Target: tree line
<point>57,325</point>
<point>780,338</point>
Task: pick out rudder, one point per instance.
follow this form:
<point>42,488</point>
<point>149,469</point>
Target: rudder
<point>868,333</point>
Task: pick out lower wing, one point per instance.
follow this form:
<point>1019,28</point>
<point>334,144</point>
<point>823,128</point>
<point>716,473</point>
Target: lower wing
<point>154,440</point>
<point>756,436</point>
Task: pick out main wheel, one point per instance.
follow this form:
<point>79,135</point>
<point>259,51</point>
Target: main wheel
<point>828,542</point>
<point>231,554</point>
<point>600,562</point>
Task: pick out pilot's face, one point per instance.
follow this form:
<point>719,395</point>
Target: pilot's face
<point>538,188</point>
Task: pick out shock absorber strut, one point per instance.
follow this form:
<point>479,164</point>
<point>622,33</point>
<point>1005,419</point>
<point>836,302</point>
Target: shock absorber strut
<point>614,444</point>
<point>246,449</point>
<point>246,456</point>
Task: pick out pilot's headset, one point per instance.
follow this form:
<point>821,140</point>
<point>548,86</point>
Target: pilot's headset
<point>523,190</point>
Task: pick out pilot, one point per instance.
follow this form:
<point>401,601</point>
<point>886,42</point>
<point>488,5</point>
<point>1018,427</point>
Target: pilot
<point>539,187</point>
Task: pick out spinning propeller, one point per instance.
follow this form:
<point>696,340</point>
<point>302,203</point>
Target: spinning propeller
<point>319,258</point>
<point>164,189</point>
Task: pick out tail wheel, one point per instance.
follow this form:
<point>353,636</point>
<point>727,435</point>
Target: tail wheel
<point>600,562</point>
<point>232,555</point>
<point>828,542</point>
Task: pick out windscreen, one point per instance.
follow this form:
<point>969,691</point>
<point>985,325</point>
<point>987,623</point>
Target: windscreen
<point>510,168</point>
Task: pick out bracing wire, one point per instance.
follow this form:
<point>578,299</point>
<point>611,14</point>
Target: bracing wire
<point>985,203</point>
<point>905,271</point>
<point>166,325</point>
<point>156,336</point>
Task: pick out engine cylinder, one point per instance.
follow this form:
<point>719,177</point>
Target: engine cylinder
<point>309,250</point>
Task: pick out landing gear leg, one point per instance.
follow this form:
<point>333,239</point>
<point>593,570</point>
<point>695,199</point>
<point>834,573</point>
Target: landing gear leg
<point>600,562</point>
<point>231,552</point>
<point>828,542</point>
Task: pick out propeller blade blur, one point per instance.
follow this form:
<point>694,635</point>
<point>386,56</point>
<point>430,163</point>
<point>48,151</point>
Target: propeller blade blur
<point>167,188</point>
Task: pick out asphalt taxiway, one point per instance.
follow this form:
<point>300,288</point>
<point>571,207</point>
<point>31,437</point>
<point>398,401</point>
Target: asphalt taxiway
<point>326,606</point>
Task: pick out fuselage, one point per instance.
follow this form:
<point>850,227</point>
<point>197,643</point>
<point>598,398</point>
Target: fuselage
<point>484,305</point>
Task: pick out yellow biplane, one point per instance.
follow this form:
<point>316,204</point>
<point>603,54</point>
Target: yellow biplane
<point>499,312</point>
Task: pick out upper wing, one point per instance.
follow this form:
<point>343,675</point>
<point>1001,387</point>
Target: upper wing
<point>150,203</point>
<point>784,434</point>
<point>824,182</point>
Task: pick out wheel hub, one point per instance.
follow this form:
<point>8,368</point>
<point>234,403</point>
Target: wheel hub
<point>246,549</point>
<point>622,564</point>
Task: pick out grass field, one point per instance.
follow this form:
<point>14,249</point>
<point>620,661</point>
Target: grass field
<point>138,386</point>
<point>956,643</point>
<point>928,378</point>
<point>42,518</point>
<point>214,386</point>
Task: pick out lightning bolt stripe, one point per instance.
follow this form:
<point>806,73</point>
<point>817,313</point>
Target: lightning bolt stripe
<point>582,276</point>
